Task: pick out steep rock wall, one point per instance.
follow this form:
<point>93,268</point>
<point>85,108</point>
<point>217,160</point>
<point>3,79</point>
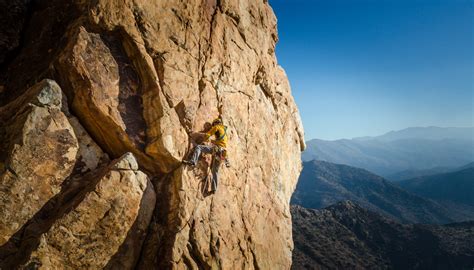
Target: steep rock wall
<point>144,77</point>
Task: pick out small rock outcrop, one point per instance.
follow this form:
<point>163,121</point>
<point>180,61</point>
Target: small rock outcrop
<point>135,82</point>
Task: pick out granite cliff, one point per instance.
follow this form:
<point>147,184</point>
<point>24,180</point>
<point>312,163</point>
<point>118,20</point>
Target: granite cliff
<point>100,102</point>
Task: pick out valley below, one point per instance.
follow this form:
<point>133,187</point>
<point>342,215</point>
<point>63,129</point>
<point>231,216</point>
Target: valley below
<point>347,236</point>
<point>370,203</point>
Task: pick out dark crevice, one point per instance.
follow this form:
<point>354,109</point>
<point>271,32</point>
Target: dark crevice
<point>158,237</point>
<point>187,261</point>
<point>7,58</point>
<point>42,37</point>
<point>255,262</point>
<point>29,6</point>
<point>235,17</point>
<point>159,63</point>
<point>130,101</point>
<point>208,53</point>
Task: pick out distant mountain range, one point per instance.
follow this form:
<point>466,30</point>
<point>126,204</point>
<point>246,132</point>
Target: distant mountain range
<point>409,174</point>
<point>411,149</point>
<point>360,220</point>
<point>426,133</point>
<point>347,236</point>
<point>322,184</point>
<point>455,188</point>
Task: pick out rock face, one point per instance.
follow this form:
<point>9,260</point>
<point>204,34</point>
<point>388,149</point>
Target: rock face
<point>62,204</point>
<point>142,77</point>
<point>38,152</point>
<point>88,236</point>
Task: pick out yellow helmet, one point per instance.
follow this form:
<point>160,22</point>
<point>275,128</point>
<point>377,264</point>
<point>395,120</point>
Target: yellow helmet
<point>217,121</point>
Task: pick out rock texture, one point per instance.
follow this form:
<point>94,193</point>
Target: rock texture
<point>143,77</point>
<point>38,152</point>
<point>91,234</point>
<point>346,236</point>
<point>62,204</point>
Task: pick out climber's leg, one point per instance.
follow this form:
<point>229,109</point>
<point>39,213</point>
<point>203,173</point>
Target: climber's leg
<point>215,173</point>
<point>225,157</point>
<point>197,153</point>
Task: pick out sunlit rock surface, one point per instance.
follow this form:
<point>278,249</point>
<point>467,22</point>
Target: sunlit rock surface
<point>90,235</point>
<point>143,77</point>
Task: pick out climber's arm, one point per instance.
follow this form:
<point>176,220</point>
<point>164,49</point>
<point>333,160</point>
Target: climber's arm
<point>208,134</point>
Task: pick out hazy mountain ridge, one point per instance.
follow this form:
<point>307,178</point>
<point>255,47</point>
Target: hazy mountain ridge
<point>346,236</point>
<point>397,151</point>
<point>453,187</point>
<point>322,184</point>
<point>409,174</point>
<point>429,133</point>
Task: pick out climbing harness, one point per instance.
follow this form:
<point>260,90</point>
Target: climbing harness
<point>219,152</point>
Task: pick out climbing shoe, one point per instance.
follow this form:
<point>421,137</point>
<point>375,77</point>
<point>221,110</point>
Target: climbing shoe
<point>188,162</point>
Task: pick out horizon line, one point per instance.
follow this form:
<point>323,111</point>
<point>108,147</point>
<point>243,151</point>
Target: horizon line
<point>393,130</point>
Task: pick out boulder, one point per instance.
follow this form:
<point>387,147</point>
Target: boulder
<point>37,154</point>
<point>107,226</point>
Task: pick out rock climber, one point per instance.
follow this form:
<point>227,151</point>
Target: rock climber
<point>217,148</point>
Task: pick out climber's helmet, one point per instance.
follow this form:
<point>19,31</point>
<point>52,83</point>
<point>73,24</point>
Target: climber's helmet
<point>217,121</point>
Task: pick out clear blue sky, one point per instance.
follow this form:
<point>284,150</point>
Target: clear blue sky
<point>362,68</point>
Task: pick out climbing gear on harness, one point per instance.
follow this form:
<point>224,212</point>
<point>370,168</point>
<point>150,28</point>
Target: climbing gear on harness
<point>219,152</point>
